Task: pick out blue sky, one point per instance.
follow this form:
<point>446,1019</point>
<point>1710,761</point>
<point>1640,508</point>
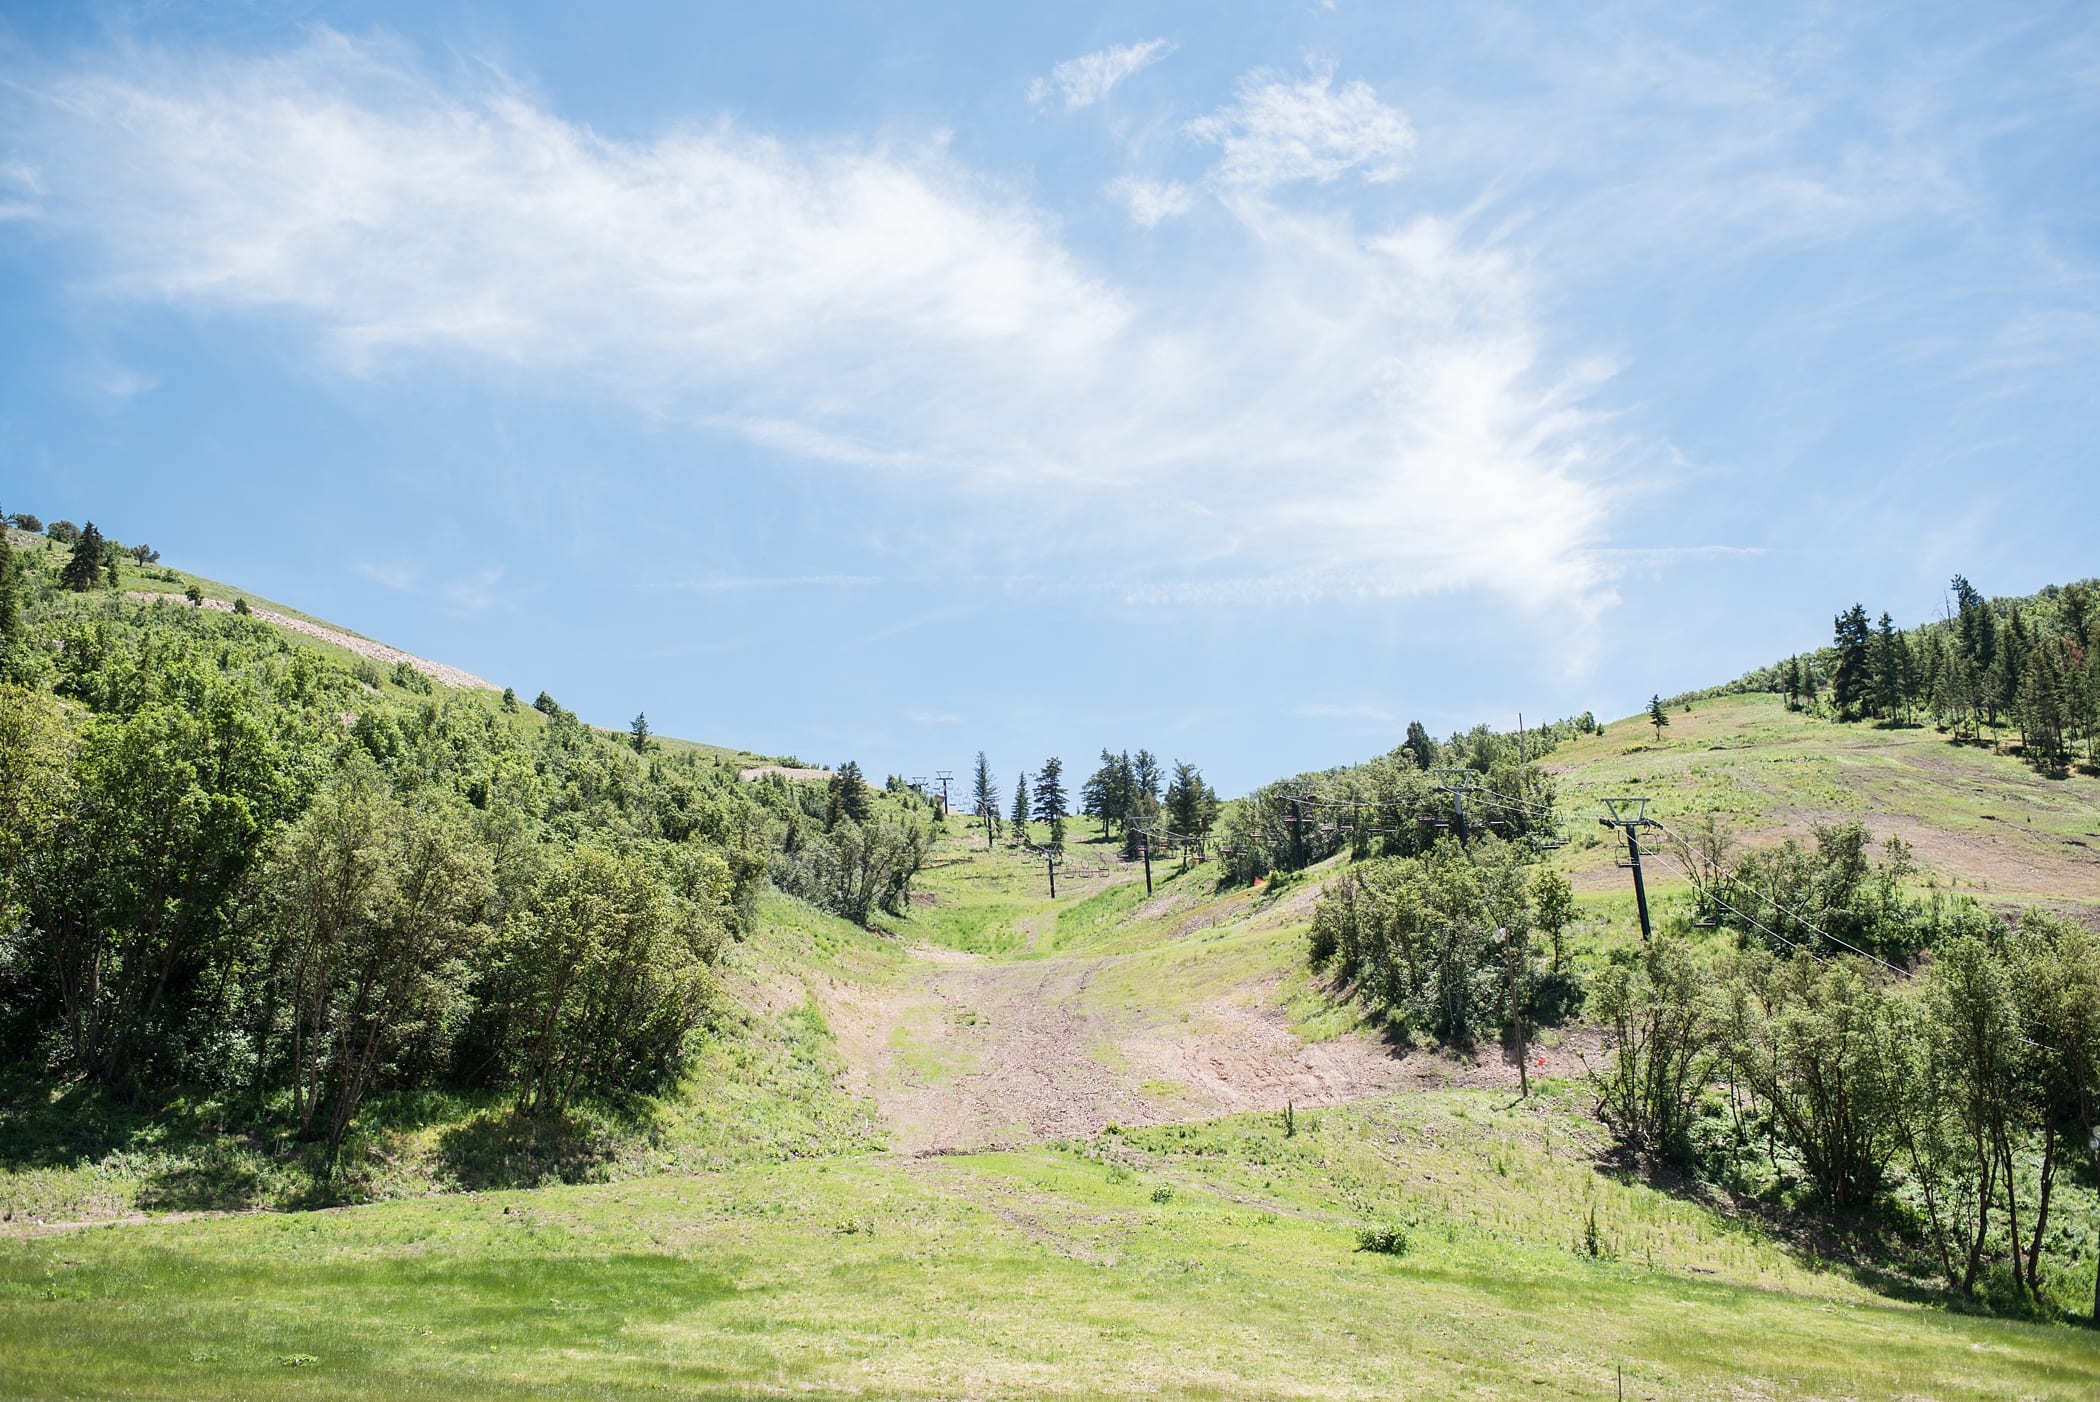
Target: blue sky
<point>894,382</point>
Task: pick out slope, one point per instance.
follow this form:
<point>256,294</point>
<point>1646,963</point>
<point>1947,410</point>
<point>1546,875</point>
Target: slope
<point>1976,819</point>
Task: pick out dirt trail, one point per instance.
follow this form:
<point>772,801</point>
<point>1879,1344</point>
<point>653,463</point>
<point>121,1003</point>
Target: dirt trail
<point>363,647</point>
<point>964,1052</point>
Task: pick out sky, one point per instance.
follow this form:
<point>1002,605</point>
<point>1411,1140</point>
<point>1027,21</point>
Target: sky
<point>893,382</point>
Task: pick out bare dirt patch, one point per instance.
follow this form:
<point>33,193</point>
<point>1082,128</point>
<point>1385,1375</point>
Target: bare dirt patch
<point>364,647</point>
<point>967,1053</point>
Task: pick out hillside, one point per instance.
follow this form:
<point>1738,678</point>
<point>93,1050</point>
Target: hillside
<point>1977,818</point>
<point>994,1143</point>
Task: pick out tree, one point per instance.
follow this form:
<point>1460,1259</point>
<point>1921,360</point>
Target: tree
<point>1657,715</point>
<point>1145,779</point>
<point>195,596</point>
<point>1850,682</point>
<point>10,605</point>
<point>84,570</point>
<point>984,797</point>
<point>1791,683</point>
<point>378,907</point>
<point>1050,799</point>
<point>638,733</point>
<point>1097,794</point>
<point>847,796</point>
<point>608,969</point>
<point>1419,745</point>
<point>1191,805</point>
<point>24,521</point>
<point>1889,669</point>
<point>64,532</point>
<point>1657,1039</point>
<point>144,554</point>
<point>1021,809</point>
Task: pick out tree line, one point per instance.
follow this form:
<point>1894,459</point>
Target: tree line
<point>2028,665</point>
<point>1128,795</point>
<point>1954,1102</point>
<point>239,866</point>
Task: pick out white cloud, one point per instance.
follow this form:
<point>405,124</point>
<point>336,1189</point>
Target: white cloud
<point>1328,412</point>
<point>1279,130</point>
<point>1085,80</point>
<point>1151,201</point>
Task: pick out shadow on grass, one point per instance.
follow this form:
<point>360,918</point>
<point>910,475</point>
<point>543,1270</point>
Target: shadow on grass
<point>1876,1247</point>
<point>222,1176</point>
<point>505,1149</point>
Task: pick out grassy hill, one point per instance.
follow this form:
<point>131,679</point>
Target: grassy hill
<point>1978,819</point>
<point>1118,1142</point>
<point>979,1152</point>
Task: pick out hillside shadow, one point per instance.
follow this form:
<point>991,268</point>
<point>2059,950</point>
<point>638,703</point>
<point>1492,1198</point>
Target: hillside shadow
<point>505,1149</point>
<point>1869,1246</point>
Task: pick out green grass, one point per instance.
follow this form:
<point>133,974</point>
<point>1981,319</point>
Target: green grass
<point>1982,819</point>
<point>762,1086</point>
<point>1056,1271</point>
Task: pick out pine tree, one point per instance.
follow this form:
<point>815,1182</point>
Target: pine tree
<point>1888,664</point>
<point>1419,745</point>
<point>10,603</point>
<point>1050,799</point>
<point>1191,804</point>
<point>84,570</point>
<point>984,797</point>
<point>1790,682</point>
<point>638,733</point>
<point>848,795</point>
<point>1850,682</point>
<point>1020,813</point>
<point>1145,780</point>
<point>1657,716</point>
<point>1094,795</point>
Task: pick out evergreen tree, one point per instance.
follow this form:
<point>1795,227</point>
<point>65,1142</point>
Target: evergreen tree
<point>84,570</point>
<point>984,797</point>
<point>1850,682</point>
<point>1657,716</point>
<point>10,606</point>
<point>1790,682</point>
<point>848,795</point>
<point>1419,745</point>
<point>1020,813</point>
<point>638,733</point>
<point>1889,668</point>
<point>1050,799</point>
<point>1145,780</point>
<point>1096,799</point>
<point>2044,707</point>
<point>2008,668</point>
<point>1192,806</point>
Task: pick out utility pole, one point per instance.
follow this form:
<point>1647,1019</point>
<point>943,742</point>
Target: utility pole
<point>1050,866</point>
<point>1458,783</point>
<point>1631,814</point>
<point>1297,822</point>
<point>1145,843</point>
<point>944,777</point>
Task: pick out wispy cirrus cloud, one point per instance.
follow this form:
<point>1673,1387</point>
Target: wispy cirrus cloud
<point>1280,129</point>
<point>1336,411</point>
<point>1084,81</point>
<point>1151,202</point>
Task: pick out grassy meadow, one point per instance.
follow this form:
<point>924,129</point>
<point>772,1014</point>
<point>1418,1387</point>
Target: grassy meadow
<point>1209,1260</point>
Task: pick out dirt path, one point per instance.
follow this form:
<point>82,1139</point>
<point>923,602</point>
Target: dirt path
<point>963,1053</point>
<point>363,647</point>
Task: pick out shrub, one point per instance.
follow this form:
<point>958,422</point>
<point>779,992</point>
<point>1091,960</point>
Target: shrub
<point>1385,1241</point>
<point>240,606</point>
<point>1163,1194</point>
<point>26,522</point>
